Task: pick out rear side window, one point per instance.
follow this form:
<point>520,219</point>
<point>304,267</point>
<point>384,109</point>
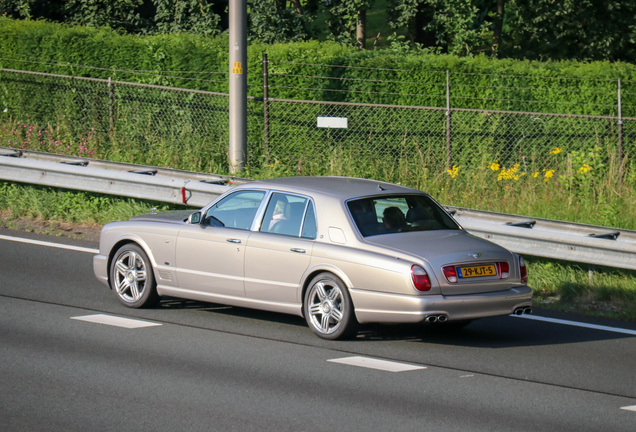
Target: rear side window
<point>399,213</point>
<point>291,215</point>
<point>309,225</point>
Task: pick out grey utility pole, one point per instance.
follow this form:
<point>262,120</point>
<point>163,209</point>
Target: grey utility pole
<point>238,84</point>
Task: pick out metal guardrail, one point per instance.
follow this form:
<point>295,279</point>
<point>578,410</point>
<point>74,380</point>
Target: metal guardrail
<point>589,244</point>
<point>114,178</point>
<point>594,245</point>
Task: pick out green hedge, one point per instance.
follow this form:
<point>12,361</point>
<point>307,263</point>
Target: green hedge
<point>375,76</point>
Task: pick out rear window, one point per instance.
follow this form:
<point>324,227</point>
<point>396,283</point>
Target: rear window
<point>399,213</point>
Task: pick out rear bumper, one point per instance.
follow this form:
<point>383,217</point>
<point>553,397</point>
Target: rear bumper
<point>392,308</point>
<point>100,268</point>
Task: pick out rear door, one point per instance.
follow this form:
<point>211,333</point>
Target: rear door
<point>280,251</point>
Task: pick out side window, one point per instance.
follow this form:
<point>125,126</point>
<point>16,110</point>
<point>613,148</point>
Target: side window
<point>236,210</point>
<point>309,225</point>
<point>285,214</point>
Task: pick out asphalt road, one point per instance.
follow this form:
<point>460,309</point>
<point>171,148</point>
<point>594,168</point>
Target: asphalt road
<point>205,367</point>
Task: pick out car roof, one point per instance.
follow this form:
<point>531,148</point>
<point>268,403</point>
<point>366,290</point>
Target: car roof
<point>340,187</point>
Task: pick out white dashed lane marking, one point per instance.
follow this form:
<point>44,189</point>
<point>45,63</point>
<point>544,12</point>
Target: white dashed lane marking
<point>115,321</point>
<point>371,363</point>
<point>629,408</point>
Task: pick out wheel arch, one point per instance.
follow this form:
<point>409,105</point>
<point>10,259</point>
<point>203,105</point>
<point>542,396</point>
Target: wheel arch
<point>313,272</point>
<point>124,241</point>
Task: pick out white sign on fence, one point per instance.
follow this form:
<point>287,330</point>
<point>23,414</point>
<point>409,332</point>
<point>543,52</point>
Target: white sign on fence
<point>332,122</point>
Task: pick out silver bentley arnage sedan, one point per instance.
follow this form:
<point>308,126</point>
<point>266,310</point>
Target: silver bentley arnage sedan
<point>338,251</point>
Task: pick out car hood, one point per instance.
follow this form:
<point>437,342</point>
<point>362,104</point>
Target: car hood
<point>172,216</point>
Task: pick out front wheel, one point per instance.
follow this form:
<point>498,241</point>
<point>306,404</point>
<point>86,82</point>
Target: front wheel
<point>132,278</point>
<point>328,308</point>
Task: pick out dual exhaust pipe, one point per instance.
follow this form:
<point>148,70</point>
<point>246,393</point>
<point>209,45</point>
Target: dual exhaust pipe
<point>523,310</point>
<point>443,318</point>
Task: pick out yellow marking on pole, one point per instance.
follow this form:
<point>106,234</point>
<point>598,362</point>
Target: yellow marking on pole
<point>237,69</point>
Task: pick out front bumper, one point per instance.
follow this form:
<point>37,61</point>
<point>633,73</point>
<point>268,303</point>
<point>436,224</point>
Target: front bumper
<point>100,268</point>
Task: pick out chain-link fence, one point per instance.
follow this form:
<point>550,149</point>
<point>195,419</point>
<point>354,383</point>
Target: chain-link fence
<point>188,129</point>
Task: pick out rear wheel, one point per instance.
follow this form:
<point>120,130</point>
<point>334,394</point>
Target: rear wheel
<point>132,278</point>
<point>328,308</point>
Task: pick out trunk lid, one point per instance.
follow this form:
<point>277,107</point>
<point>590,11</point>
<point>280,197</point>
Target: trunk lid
<point>472,257</point>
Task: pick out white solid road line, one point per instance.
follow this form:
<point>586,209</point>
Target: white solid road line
<point>115,321</point>
<point>577,324</point>
<point>49,244</point>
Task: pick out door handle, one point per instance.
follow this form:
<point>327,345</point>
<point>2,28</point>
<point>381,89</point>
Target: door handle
<point>298,250</point>
<point>231,240</point>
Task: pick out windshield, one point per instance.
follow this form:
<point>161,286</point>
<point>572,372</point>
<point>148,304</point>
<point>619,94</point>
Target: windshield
<point>399,213</point>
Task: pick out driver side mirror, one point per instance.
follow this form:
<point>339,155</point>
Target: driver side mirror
<point>195,218</point>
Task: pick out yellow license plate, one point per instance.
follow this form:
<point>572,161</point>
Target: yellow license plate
<point>477,271</point>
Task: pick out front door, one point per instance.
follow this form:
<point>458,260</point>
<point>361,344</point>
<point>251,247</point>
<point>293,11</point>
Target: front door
<point>210,255</point>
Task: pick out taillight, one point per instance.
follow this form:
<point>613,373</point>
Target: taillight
<point>451,274</point>
<point>523,270</point>
<point>420,278</point>
<point>504,269</point>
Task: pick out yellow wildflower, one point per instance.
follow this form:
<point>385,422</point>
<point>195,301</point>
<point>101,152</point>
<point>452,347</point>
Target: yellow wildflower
<point>555,151</point>
<point>509,174</point>
<point>453,172</point>
<point>584,169</point>
<point>549,174</point>
<point>494,166</point>
<point>535,174</point>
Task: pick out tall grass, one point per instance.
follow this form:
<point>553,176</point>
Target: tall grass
<point>571,185</point>
<point>572,287</point>
<point>19,201</point>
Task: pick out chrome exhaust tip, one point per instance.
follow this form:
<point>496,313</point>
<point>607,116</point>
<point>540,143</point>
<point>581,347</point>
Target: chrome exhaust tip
<point>522,310</point>
<point>436,319</point>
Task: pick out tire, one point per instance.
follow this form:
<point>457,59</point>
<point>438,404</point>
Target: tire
<point>132,278</point>
<point>328,308</point>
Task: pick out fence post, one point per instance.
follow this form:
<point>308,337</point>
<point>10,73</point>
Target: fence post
<point>111,110</point>
<point>620,131</point>
<point>266,106</point>
<point>449,143</point>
